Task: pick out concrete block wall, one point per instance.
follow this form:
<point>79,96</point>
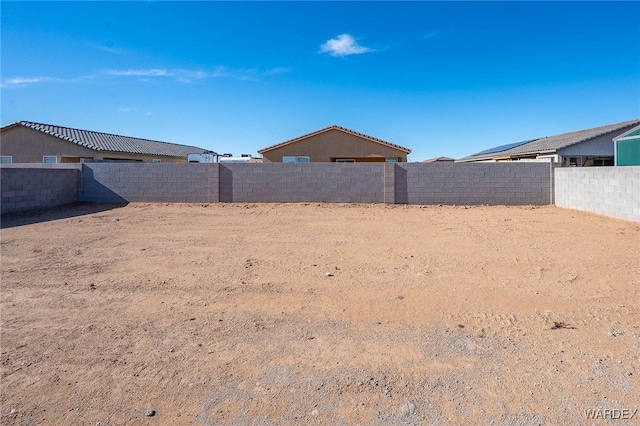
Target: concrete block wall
<point>473,183</point>
<point>104,182</point>
<point>25,187</point>
<point>309,182</point>
<point>610,191</point>
<point>399,183</point>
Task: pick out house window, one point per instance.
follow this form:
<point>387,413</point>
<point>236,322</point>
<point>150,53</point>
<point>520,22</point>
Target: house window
<point>6,159</point>
<point>293,159</point>
<point>391,160</point>
<point>49,159</point>
<point>345,160</point>
<point>156,160</point>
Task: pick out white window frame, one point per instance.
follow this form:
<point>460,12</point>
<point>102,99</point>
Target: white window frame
<point>4,158</point>
<point>46,159</point>
<point>296,159</point>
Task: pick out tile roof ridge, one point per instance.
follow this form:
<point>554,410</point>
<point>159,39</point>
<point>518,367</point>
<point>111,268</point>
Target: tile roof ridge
<point>42,127</point>
<point>94,132</point>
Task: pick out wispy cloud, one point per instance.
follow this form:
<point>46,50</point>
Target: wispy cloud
<point>343,45</point>
<point>23,81</point>
<point>149,74</point>
<point>155,72</point>
<point>188,76</point>
<point>107,48</point>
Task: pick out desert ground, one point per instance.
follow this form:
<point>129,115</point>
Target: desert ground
<point>289,314</point>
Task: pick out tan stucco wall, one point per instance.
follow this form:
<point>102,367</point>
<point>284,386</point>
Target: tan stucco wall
<point>332,144</point>
<point>29,146</point>
<point>26,145</point>
<point>119,156</point>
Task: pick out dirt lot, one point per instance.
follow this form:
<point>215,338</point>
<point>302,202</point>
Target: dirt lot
<point>318,314</point>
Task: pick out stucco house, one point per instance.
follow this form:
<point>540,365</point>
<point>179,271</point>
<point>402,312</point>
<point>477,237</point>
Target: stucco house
<point>589,147</point>
<point>334,144</point>
<point>627,148</point>
<point>28,142</point>
<point>439,160</point>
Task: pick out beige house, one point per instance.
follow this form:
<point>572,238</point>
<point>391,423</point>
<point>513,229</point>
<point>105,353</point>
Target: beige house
<point>334,144</point>
<point>27,142</point>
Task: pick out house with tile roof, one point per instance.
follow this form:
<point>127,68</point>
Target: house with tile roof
<point>590,147</point>
<point>439,160</point>
<point>28,142</point>
<point>334,144</point>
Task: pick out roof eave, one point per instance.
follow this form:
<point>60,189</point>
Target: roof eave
<point>334,127</point>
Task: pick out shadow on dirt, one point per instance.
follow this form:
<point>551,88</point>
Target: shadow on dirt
<point>11,220</point>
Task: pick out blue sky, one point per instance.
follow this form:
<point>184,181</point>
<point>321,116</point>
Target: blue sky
<point>441,78</point>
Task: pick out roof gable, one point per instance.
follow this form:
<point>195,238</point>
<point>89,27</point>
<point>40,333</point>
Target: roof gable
<point>339,128</point>
<point>633,133</point>
<point>109,142</point>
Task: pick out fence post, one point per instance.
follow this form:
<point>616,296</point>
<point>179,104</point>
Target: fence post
<point>389,183</point>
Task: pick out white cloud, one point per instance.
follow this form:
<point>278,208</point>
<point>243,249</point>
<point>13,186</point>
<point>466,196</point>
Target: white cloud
<point>108,48</point>
<point>344,45</point>
<point>179,75</point>
<point>141,73</point>
<point>22,81</point>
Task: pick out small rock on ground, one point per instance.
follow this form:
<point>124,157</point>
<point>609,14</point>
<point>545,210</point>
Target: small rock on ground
<point>407,409</point>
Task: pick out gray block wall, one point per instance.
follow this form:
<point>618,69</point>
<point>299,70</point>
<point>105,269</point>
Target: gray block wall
<point>610,191</point>
<point>25,187</point>
<point>104,182</point>
<point>311,182</point>
<point>516,183</point>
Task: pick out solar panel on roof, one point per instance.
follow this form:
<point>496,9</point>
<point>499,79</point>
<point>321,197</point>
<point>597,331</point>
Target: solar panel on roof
<point>502,147</point>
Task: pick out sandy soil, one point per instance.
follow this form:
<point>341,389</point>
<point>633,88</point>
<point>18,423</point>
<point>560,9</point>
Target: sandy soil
<point>318,314</point>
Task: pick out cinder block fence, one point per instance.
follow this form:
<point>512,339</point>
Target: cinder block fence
<point>607,190</point>
<point>610,191</point>
<point>29,187</point>
<point>395,183</point>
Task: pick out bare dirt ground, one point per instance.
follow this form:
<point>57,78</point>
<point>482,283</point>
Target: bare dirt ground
<point>318,314</point>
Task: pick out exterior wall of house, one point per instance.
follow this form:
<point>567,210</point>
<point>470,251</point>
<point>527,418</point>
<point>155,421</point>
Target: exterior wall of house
<point>611,191</point>
<point>600,146</point>
<point>105,155</point>
<point>29,146</point>
<point>26,145</point>
<point>29,188</point>
<point>628,152</point>
<point>332,144</point>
